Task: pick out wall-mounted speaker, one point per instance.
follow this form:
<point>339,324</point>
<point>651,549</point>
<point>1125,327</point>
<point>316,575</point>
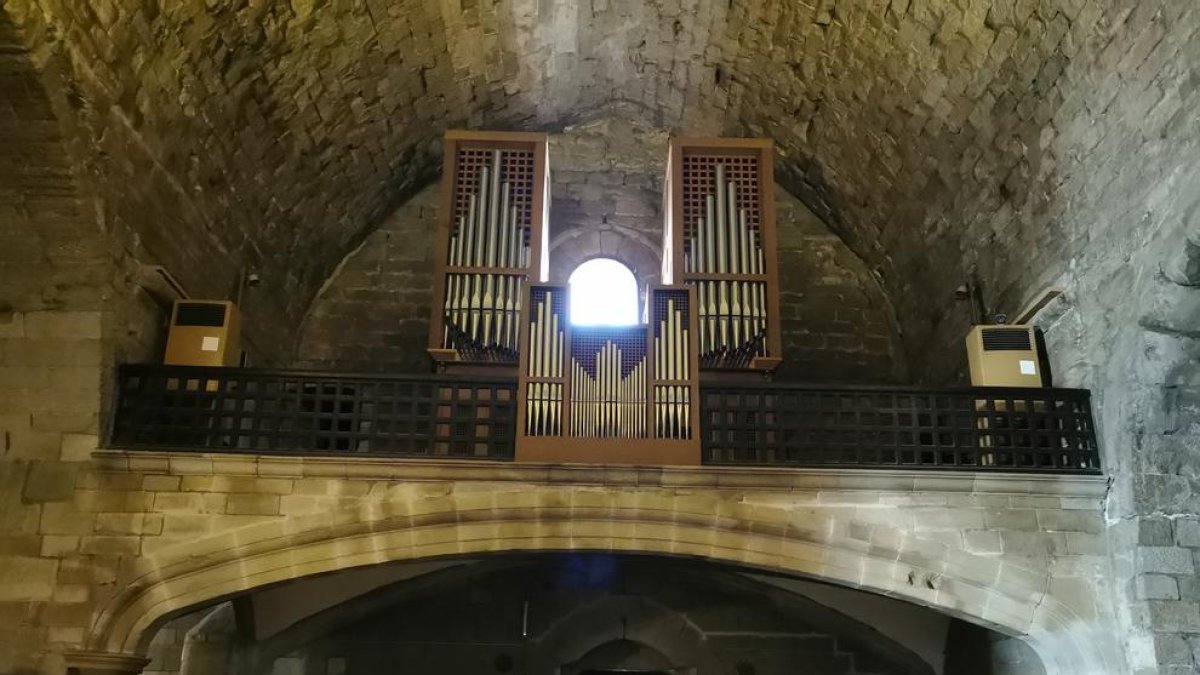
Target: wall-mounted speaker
<point>1004,356</point>
<point>204,333</point>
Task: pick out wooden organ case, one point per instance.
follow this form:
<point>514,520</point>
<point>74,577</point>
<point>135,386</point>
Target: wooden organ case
<point>615,395</point>
<point>492,241</point>
<point>719,238</point>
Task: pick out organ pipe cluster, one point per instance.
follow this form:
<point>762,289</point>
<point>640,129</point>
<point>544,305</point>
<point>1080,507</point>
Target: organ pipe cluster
<point>547,340</point>
<point>672,368</point>
<point>610,402</point>
<point>733,315</point>
<point>482,308</point>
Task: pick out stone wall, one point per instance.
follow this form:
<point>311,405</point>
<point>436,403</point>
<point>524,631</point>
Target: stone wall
<point>607,197</point>
<point>837,323</point>
<point>161,534</point>
<point>1036,142</point>
<point>372,314</point>
<point>969,136</point>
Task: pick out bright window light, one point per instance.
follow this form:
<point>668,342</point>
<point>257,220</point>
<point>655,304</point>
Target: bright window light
<point>603,293</point>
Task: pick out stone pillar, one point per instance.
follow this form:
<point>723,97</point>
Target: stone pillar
<point>104,663</point>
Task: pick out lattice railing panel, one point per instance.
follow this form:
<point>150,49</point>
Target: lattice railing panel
<point>1042,430</point>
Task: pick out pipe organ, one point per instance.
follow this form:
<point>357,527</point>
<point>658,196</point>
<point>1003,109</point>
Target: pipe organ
<point>621,394</point>
<point>627,394</point>
<point>719,238</point>
<point>491,242</point>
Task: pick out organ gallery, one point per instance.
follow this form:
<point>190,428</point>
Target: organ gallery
<point>580,387</point>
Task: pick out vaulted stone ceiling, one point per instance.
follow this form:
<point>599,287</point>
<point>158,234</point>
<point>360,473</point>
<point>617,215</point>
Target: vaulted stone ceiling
<point>934,136</point>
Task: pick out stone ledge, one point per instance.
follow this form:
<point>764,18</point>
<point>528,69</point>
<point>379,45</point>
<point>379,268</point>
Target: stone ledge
<point>712,477</point>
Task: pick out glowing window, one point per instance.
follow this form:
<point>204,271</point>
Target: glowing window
<point>603,293</point>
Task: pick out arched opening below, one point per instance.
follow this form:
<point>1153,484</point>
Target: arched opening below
<point>604,292</point>
<point>549,613</point>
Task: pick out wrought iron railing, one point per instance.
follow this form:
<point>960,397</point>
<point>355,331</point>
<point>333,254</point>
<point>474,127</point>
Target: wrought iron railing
<point>783,425</point>
<point>977,429</point>
<point>272,411</point>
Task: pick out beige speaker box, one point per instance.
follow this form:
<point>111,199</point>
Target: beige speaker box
<point>1004,356</point>
<point>204,333</point>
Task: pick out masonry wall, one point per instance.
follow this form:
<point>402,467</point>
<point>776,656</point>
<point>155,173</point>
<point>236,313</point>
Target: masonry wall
<point>130,518</point>
<point>372,314</point>
<point>1061,134</point>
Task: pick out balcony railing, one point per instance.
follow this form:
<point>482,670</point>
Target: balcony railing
<point>273,411</point>
<point>291,412</point>
<point>976,429</point>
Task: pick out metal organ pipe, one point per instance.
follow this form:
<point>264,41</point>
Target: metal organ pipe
<point>731,311</point>
<point>482,307</point>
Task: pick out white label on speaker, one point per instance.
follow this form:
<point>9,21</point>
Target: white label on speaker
<point>1028,367</point>
<point>212,344</point>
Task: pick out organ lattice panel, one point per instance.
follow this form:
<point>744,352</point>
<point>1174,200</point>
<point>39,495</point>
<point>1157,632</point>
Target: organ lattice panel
<point>720,239</point>
<point>492,241</point>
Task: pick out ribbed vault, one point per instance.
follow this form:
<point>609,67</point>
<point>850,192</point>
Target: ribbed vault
<point>275,134</point>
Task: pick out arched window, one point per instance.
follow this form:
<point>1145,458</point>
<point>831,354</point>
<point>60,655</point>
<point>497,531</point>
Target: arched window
<point>603,293</point>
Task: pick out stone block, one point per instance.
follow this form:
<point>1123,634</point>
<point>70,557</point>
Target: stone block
<point>49,482</point>
<point>1011,519</point>
<point>70,325</point>
<point>27,578</point>
<point>1172,649</point>
<point>59,546</point>
<point>1157,587</point>
<point>1034,544</point>
<point>1165,560</point>
<point>66,635</point>
<point>1082,543</point>
<point>1187,533</point>
<point>114,501</point>
<point>71,593</point>
<point>95,570</point>
<point>21,544</point>
<point>247,484</point>
<point>160,483</point>
<point>1174,616</point>
<point>1054,520</point>
<point>80,421</point>
<point>252,504</point>
<point>128,523</point>
<point>66,613</point>
<point>110,545</point>
<point>65,519</point>
<point>948,519</point>
<point>1155,532</point>
<point>982,541</point>
<point>78,447</point>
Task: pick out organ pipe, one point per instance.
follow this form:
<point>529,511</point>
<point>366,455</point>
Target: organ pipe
<point>732,312</point>
<point>481,309</point>
<point>608,400</point>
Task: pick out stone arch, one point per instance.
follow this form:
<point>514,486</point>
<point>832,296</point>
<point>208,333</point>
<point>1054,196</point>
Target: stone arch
<point>642,620</point>
<point>398,526</point>
<point>626,245</point>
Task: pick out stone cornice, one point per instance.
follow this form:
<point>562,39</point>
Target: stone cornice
<point>673,477</point>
